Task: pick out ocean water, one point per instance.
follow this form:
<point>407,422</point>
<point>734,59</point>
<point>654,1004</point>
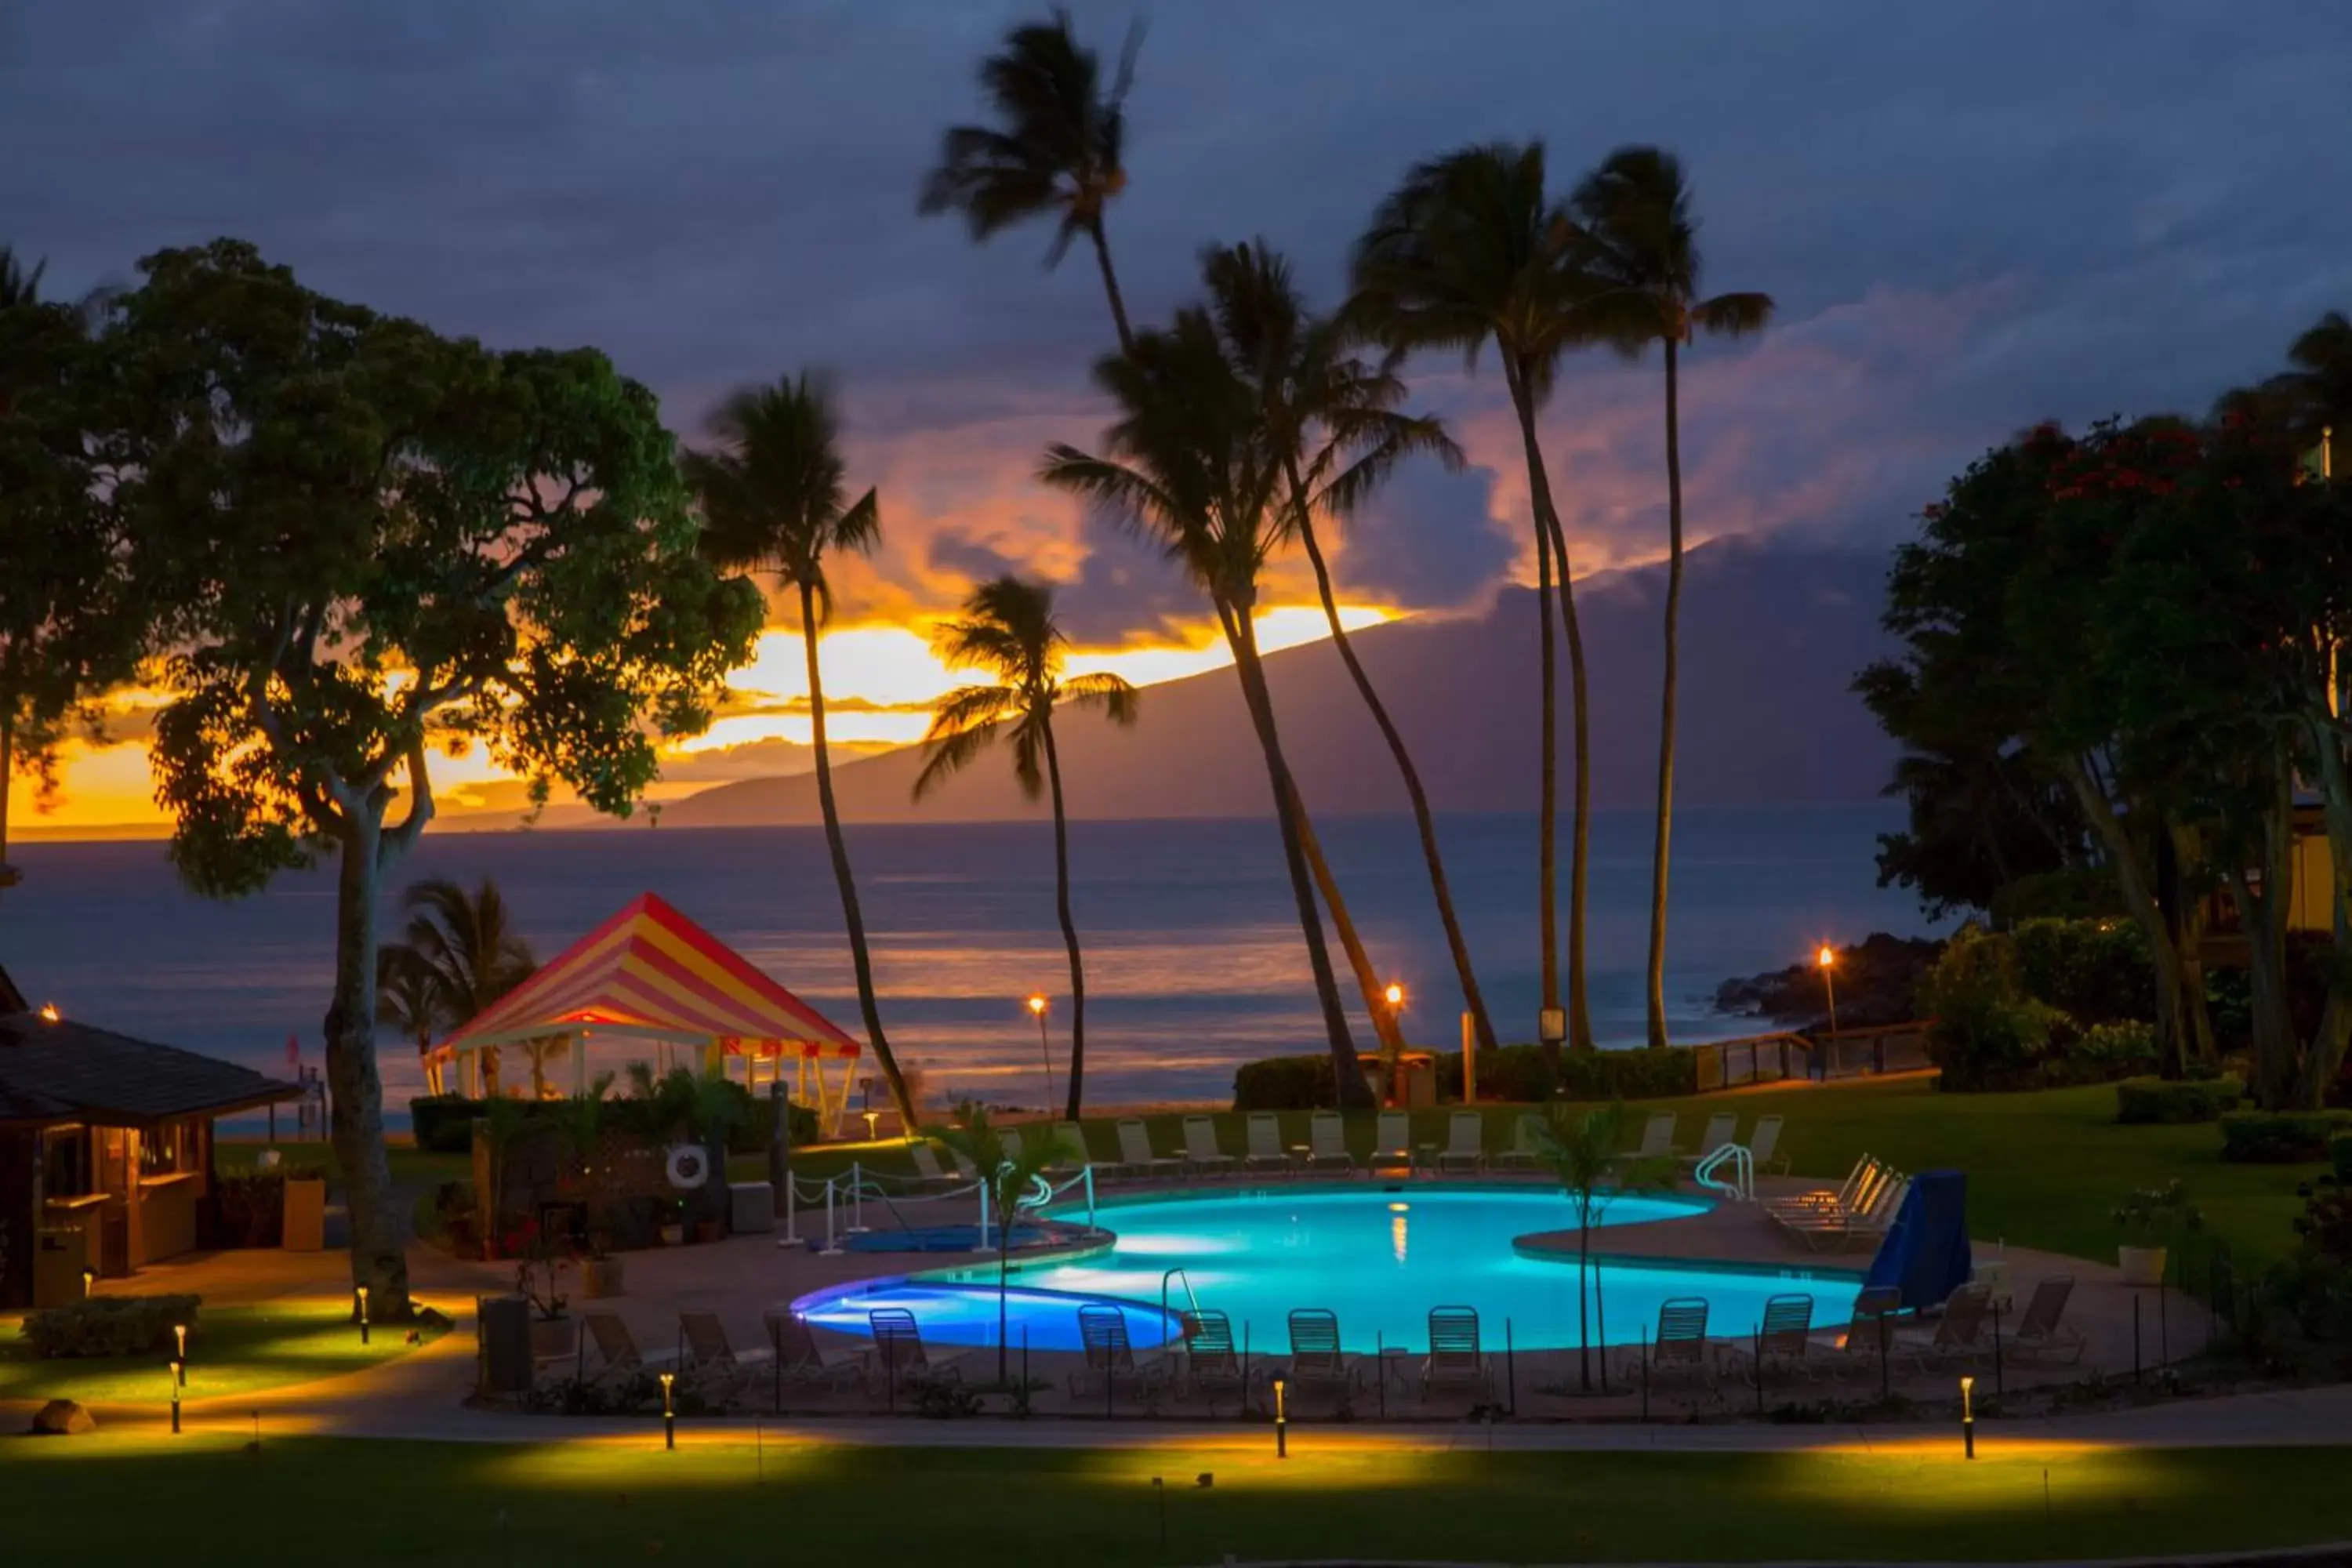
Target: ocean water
<point>1193,956</point>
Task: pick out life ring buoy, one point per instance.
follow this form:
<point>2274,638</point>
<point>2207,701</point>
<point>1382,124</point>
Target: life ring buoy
<point>689,1166</point>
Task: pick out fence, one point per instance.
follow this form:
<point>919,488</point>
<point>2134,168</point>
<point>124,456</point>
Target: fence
<point>1847,1053</point>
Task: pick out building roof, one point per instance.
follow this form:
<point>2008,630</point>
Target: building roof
<point>651,972</point>
<point>62,1071</point>
<point>11,999</point>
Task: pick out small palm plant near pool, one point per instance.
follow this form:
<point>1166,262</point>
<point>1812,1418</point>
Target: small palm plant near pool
<point>1011,1177</point>
<point>1581,1148</point>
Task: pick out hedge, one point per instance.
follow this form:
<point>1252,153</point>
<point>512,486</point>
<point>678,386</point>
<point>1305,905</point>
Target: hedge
<point>2339,1153</point>
<point>2156,1100</point>
<point>1515,1074</point>
<point>444,1123</point>
<point>110,1325</point>
<point>2280,1137</point>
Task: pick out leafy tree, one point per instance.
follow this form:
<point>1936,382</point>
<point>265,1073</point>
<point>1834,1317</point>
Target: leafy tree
<point>1340,434</point>
<point>1582,1149</point>
<point>364,542</point>
<point>1193,467</point>
<point>1642,252</point>
<point>67,633</point>
<point>1010,1179</point>
<point>459,954</point>
<point>1053,153</point>
<point>775,499</point>
<point>1469,249</point>
<point>1008,629</point>
<point>2309,399</point>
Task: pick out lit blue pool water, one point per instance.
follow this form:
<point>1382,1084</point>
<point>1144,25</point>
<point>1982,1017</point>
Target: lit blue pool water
<point>1379,1259</point>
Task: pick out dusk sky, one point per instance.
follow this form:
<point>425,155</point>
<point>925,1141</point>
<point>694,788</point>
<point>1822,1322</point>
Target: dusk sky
<point>1972,218</point>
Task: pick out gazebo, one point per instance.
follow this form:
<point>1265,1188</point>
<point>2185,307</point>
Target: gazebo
<point>650,976</point>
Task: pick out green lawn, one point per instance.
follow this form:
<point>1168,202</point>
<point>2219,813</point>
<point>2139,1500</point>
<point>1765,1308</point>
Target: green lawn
<point>231,1350</point>
<point>203,1499</point>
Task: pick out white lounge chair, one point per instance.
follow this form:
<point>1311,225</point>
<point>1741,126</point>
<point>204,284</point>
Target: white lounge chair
<point>1392,1139</point>
<point>1764,1145</point>
<point>1326,1142</point>
<point>927,1164</point>
<point>1854,1190</point>
<point>1110,1362</point>
<point>802,1361</point>
<point>1135,1155</point>
<point>1316,1359</point>
<point>706,1361</point>
<point>1465,1142</point>
<point>1264,1143</point>
<point>1456,1360</point>
<point>1722,1128</point>
<point>1840,1227</point>
<point>1960,1335</point>
<point>1078,1157</point>
<point>1524,1150</point>
<point>2043,1333</point>
<point>1657,1137</point>
<point>899,1359</point>
<point>1201,1150</point>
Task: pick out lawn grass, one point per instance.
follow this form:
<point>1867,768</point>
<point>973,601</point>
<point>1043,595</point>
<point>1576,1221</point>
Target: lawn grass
<point>231,1350</point>
<point>203,1499</point>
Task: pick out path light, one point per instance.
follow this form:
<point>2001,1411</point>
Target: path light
<point>361,1293</point>
<point>1827,959</point>
<point>1045,1051</point>
<point>1281,1419</point>
<point>180,1349</point>
<point>88,1280</point>
<point>669,1410</point>
<point>1968,1418</point>
<point>179,1376</point>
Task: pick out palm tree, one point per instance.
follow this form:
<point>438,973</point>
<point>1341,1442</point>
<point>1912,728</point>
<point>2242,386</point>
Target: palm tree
<point>1580,1148</point>
<point>1008,629</point>
<point>774,499</point>
<point>459,954</point>
<point>1010,1179</point>
<point>1193,468</point>
<point>1054,151</point>
<point>1341,437</point>
<point>1642,252</point>
<point>408,995</point>
<point>1469,249</point>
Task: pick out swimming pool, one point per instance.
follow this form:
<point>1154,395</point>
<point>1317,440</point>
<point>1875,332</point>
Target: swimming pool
<point>1379,1257</point>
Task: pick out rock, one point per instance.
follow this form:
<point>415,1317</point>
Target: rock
<point>63,1418</point>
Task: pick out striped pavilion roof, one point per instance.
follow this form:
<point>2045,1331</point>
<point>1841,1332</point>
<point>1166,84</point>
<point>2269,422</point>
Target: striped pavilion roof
<point>651,971</point>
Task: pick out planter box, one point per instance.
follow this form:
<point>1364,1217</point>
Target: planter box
<point>306,1216</point>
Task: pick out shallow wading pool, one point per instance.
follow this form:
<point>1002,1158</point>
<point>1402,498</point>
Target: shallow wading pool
<point>1379,1257</point>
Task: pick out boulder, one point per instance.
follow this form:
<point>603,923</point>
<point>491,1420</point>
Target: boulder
<point>63,1418</point>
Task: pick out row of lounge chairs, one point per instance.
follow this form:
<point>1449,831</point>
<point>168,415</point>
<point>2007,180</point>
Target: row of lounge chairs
<point>1862,1209</point>
<point>1206,1361</point>
<point>1326,1146</point>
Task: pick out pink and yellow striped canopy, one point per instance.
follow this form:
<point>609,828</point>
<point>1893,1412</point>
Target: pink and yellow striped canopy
<point>651,972</point>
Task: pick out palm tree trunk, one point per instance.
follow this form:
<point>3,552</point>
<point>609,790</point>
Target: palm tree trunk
<point>1241,637</point>
<point>1423,820</point>
<point>1548,801</point>
<point>1665,823</point>
<point>1110,286</point>
<point>1368,979</point>
<point>850,914</point>
<point>1069,927</point>
<point>7,771</point>
<point>1580,854</point>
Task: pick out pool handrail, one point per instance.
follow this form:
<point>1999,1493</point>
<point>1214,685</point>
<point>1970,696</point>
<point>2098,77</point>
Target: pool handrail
<point>1177,1273</point>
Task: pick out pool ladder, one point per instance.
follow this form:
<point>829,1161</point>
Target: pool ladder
<point>1742,1185</point>
<point>1177,1273</point>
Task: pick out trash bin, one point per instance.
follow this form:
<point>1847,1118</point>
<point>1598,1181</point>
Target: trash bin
<point>1416,1074</point>
<point>502,1344</point>
<point>59,1255</point>
<point>750,1208</point>
<point>306,1216</point>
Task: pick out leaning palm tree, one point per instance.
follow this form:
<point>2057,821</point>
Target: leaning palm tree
<point>1642,253</point>
<point>459,954</point>
<point>775,499</point>
<point>1055,150</point>
<point>1008,629</point>
<point>1193,467</point>
<point>408,995</point>
<point>1470,250</point>
<point>1340,437</point>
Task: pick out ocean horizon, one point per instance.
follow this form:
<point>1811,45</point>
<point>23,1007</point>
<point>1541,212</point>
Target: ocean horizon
<point>1194,962</point>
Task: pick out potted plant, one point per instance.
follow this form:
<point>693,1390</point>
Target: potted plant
<point>542,1257</point>
<point>673,1227</point>
<point>2151,1220</point>
<point>600,1271</point>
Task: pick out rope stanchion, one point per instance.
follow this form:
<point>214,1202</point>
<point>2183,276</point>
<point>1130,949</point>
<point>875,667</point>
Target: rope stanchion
<point>856,1201</point>
<point>832,1240</point>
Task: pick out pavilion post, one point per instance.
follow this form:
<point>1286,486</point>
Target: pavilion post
<point>580,1062</point>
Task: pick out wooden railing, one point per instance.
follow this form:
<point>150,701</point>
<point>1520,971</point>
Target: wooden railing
<point>1846,1053</point>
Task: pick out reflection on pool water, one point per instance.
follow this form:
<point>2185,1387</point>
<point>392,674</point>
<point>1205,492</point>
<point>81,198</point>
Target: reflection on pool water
<point>1381,1258</point>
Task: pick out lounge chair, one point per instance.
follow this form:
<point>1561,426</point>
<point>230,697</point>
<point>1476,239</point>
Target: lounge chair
<point>1837,1229</point>
<point>1869,1333</point>
<point>1326,1142</point>
<point>1845,1195</point>
<point>1764,1145</point>
<point>1392,1141</point>
<point>706,1360</point>
<point>1525,1149</point>
<point>900,1358</point>
<point>617,1349</point>
<point>2043,1334</point>
<point>1201,1150</point>
<point>1781,1340</point>
<point>1657,1137</point>
<point>1078,1158</point>
<point>1465,1142</point>
<point>803,1362</point>
<point>1456,1360</point>
<point>1316,1359</point>
<point>1135,1155</point>
<point>1722,1128</point>
<point>1960,1334</point>
<point>927,1165</point>
<point>1680,1347</point>
<point>1110,1360</point>
<point>1265,1145</point>
<point>965,1170</point>
<point>1211,1363</point>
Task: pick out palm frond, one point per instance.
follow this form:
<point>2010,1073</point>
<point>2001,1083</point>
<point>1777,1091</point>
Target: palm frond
<point>1110,695</point>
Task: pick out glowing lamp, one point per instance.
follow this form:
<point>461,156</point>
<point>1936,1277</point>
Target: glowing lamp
<point>669,1410</point>
<point>1037,1002</point>
<point>180,1348</point>
<point>360,1295</point>
<point>1968,1418</point>
<point>1395,993</point>
<point>49,1014</point>
<point>1281,1419</point>
<point>1826,957</point>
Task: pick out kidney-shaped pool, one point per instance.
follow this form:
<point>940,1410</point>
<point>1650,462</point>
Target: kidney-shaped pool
<point>1379,1257</point>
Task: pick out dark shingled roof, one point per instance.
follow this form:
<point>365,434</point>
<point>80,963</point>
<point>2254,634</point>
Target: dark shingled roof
<point>68,1070</point>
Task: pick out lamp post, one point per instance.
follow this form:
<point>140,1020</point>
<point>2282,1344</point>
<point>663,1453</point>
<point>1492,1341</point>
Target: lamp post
<point>180,1349</point>
<point>1968,1418</point>
<point>179,1376</point>
<point>360,1292</point>
<point>1281,1420</point>
<point>669,1410</point>
<point>1044,1050</point>
<point>1827,959</point>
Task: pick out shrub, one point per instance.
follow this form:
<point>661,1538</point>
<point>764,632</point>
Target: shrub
<point>2156,1100</point>
<point>110,1325</point>
<point>2102,1054</point>
<point>2280,1137</point>
<point>1986,1033</point>
<point>2155,1216</point>
<point>2095,971</point>
<point>1644,1074</point>
<point>1513,1073</point>
<point>1285,1083</point>
<point>249,1209</point>
<point>444,1123</point>
<point>2339,1155</point>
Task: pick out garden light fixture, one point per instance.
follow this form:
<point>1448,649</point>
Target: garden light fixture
<point>1281,1419</point>
<point>669,1410</point>
<point>1968,1418</point>
<point>179,1376</point>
